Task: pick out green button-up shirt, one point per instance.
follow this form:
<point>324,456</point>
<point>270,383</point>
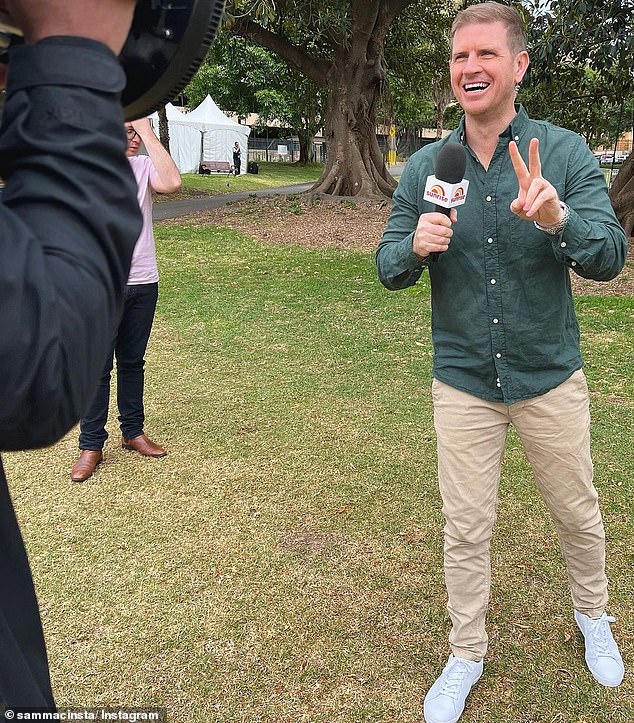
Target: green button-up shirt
<point>503,322</point>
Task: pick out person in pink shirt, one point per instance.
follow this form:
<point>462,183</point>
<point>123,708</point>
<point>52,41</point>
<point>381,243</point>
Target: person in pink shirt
<point>158,173</point>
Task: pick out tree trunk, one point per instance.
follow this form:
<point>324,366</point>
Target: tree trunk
<point>355,165</point>
<point>622,196</point>
<point>440,114</point>
<point>164,132</point>
<point>305,142</point>
<point>441,94</point>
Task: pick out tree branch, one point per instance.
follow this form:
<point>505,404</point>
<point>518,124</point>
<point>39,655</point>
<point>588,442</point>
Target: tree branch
<point>364,15</point>
<point>387,12</point>
<point>392,8</point>
<point>314,68</point>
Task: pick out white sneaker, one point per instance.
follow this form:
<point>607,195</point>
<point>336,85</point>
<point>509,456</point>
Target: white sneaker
<point>602,654</point>
<point>446,698</point>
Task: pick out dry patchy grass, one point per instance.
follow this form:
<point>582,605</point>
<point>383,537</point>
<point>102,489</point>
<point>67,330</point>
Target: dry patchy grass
<point>283,563</point>
<point>345,224</point>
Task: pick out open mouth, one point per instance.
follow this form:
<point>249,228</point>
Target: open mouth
<point>475,87</point>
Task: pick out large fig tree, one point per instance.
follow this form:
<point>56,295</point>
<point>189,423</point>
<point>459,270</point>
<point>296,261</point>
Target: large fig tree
<point>339,45</point>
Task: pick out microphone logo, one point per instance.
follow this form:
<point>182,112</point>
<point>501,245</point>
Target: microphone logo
<point>447,195</point>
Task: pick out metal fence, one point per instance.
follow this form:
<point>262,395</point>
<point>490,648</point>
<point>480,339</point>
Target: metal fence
<point>282,150</point>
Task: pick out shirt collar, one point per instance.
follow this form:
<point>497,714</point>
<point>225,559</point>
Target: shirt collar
<point>515,130</point>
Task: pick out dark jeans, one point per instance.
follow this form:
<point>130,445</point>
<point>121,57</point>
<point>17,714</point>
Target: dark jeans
<point>129,348</point>
<point>236,163</point>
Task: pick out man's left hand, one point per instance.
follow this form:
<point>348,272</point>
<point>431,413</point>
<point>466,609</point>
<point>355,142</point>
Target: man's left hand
<point>537,199</point>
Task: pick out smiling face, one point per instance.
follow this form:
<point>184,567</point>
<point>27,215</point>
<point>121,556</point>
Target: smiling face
<point>485,71</point>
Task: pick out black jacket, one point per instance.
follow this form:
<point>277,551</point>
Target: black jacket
<point>68,224</point>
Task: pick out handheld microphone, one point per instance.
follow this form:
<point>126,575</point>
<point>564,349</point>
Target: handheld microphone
<point>167,42</point>
<point>448,187</point>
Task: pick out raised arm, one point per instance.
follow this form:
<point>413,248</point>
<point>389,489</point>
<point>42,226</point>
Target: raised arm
<point>167,178</point>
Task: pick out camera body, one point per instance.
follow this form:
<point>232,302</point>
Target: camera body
<point>167,42</point>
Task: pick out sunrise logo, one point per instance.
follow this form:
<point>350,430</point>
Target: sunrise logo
<point>436,193</point>
<point>458,196</point>
<point>445,194</point>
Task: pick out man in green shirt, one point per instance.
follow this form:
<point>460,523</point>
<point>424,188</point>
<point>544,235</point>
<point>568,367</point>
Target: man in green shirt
<point>505,335</point>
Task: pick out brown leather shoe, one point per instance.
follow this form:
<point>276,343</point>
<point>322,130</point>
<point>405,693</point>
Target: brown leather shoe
<point>86,465</point>
<point>144,446</point>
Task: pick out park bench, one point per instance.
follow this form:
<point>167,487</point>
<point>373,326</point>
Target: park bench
<point>215,167</point>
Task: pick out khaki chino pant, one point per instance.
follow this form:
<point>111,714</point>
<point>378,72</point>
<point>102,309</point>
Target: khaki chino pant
<point>555,432</point>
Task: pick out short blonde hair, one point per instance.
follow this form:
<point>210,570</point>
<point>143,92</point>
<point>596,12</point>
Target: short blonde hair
<point>492,12</point>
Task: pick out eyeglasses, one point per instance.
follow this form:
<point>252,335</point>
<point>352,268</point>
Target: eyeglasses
<point>131,133</point>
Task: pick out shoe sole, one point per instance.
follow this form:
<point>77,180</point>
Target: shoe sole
<point>128,448</point>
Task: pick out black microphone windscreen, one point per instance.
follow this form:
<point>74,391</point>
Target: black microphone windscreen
<point>451,163</point>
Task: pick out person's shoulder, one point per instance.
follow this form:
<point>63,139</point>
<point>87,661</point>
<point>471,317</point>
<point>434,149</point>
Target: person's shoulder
<point>555,132</point>
<point>140,161</point>
<point>423,161</point>
<point>430,150</point>
<point>143,169</point>
<point>425,157</point>
<point>142,166</point>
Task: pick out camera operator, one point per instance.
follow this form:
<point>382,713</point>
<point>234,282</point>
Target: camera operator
<point>68,224</point>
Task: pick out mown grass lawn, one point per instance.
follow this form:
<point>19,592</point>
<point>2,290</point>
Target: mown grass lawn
<point>270,175</point>
<point>283,563</point>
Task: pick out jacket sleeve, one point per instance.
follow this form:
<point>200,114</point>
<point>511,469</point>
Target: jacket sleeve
<point>68,225</point>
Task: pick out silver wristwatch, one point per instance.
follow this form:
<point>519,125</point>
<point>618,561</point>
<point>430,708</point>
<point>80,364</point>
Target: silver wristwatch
<point>558,227</point>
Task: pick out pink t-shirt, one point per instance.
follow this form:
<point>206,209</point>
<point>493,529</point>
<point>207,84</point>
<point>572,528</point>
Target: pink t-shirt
<point>144,269</point>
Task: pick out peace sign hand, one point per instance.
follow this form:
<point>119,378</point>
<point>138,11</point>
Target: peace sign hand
<point>537,199</point>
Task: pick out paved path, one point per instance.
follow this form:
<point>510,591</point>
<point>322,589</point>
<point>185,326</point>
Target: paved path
<point>174,209</point>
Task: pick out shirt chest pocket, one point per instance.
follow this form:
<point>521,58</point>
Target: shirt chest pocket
<point>519,233</point>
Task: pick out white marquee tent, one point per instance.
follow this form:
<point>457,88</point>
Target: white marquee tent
<point>205,134</point>
<point>185,141</point>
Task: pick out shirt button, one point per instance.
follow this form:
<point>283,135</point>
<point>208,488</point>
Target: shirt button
<point>497,384</point>
<point>516,138</point>
<point>488,198</point>
<point>573,263</point>
<point>498,355</point>
<point>495,321</point>
<point>493,281</point>
<point>563,244</point>
<point>489,240</point>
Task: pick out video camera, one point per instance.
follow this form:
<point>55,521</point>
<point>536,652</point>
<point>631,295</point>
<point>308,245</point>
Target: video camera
<point>167,42</point>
